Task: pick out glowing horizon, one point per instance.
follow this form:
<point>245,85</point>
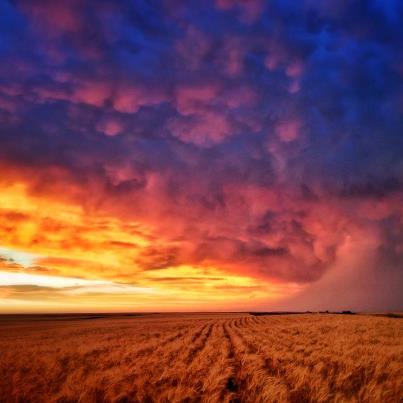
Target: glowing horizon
<point>83,268</point>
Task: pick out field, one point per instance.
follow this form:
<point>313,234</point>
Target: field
<point>201,358</point>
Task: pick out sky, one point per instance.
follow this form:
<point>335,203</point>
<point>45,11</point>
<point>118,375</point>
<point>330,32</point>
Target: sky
<point>172,155</point>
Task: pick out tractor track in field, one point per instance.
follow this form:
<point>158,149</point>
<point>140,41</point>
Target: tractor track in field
<point>200,343</point>
<point>249,361</point>
<point>234,382</point>
<point>152,346</point>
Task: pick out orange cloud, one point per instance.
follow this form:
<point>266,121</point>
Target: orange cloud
<point>104,255</point>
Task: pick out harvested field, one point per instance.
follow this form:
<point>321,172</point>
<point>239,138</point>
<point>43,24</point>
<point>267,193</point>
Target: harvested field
<point>201,358</point>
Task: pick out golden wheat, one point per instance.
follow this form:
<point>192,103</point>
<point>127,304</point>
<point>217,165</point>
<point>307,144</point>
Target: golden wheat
<point>202,358</point>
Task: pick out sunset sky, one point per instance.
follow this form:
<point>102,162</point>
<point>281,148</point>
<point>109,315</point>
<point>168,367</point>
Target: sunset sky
<point>170,155</point>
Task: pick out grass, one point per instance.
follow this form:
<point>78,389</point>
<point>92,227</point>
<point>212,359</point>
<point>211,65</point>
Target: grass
<point>202,358</point>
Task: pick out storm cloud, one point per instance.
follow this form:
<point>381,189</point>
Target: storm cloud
<point>263,138</point>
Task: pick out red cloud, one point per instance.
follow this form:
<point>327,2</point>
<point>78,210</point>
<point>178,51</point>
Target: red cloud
<point>288,131</point>
<point>110,127</point>
<point>92,93</point>
<point>194,99</point>
<point>130,98</point>
<point>58,17</point>
<point>232,57</point>
<point>203,130</point>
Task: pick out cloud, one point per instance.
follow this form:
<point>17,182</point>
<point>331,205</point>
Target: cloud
<point>193,48</point>
<point>288,131</point>
<point>131,99</point>
<point>203,130</point>
<point>110,127</point>
<point>195,99</point>
<point>250,10</point>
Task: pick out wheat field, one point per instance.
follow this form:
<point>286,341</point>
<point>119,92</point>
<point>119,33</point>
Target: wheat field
<point>201,358</point>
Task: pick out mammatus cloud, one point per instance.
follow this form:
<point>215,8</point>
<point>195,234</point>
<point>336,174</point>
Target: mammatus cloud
<point>226,152</point>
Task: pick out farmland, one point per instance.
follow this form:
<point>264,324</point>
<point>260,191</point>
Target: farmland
<point>201,358</point>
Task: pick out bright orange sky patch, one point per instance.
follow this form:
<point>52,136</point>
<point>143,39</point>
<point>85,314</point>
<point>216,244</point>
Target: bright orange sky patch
<point>57,257</point>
